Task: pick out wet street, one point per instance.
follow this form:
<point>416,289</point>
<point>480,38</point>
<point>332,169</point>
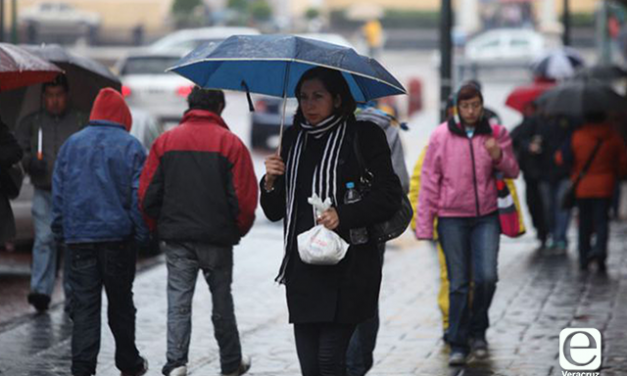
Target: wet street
<point>539,293</point>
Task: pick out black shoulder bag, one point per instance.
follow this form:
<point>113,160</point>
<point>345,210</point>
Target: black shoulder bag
<point>11,180</point>
<point>569,199</point>
<point>393,227</point>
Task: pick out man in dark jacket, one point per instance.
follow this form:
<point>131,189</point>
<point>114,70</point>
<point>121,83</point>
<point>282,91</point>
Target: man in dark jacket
<point>10,153</point>
<point>95,210</point>
<point>41,135</point>
<point>208,206</point>
<point>527,146</point>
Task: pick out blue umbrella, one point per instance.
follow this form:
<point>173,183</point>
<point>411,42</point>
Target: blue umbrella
<point>273,64</point>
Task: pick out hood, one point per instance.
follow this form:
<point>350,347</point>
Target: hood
<point>110,106</point>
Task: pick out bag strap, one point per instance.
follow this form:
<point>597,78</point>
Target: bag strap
<point>586,167</point>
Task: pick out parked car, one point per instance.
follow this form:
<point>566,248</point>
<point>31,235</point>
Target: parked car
<point>185,40</point>
<point>58,22</point>
<point>147,86</point>
<point>505,46</point>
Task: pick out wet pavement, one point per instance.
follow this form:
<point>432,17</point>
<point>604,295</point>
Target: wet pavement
<point>539,294</point>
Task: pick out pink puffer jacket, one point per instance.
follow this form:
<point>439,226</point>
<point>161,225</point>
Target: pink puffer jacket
<point>458,174</point>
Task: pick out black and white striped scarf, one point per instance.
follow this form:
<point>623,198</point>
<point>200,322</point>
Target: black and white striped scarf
<point>325,182</point>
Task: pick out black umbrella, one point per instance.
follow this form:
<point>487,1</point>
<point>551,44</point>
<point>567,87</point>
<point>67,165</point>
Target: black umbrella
<point>85,77</point>
<point>577,98</point>
<point>602,73</point>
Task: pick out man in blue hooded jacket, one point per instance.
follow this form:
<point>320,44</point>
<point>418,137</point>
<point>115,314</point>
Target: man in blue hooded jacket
<point>96,214</point>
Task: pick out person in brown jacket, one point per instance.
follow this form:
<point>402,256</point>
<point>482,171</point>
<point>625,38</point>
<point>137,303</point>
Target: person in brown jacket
<point>594,191</point>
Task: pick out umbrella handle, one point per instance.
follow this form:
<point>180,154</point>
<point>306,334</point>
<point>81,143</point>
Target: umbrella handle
<point>285,82</point>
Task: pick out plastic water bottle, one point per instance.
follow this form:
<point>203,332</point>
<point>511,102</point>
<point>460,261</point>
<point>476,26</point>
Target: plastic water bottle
<point>357,235</point>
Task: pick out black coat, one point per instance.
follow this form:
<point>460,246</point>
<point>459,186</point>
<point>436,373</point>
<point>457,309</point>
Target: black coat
<point>347,292</point>
<point>10,153</point>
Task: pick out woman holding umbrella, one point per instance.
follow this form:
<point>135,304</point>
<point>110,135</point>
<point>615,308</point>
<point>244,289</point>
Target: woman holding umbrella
<point>319,156</point>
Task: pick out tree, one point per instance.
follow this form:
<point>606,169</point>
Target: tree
<point>185,6</point>
<point>312,13</point>
<point>260,10</point>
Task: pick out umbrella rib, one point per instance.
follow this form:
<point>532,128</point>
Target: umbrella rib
<point>401,89</point>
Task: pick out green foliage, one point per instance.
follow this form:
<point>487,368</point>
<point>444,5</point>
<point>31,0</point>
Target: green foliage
<point>260,10</point>
<point>240,5</point>
<point>393,19</point>
<point>184,6</point>
<point>582,19</point>
<point>312,13</point>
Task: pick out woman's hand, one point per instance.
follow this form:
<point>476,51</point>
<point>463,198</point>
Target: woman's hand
<point>329,219</point>
<point>275,167</point>
<point>493,149</point>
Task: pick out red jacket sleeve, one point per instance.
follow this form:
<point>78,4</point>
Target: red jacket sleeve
<point>245,184</point>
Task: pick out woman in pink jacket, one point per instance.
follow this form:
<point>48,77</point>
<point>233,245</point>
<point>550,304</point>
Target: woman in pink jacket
<point>459,189</point>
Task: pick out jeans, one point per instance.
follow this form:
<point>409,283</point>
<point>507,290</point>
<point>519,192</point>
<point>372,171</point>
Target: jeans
<point>321,348</point>
<point>557,219</point>
<point>184,260</point>
<point>471,247</point>
<point>44,267</point>
<point>95,265</point>
<point>359,357</point>
<point>593,219</point>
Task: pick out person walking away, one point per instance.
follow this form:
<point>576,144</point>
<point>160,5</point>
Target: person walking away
<point>373,32</point>
<point>359,358</point>
<point>208,206</point>
<point>318,155</point>
<point>10,154</point>
<point>459,188</point>
<point>552,133</point>
<point>41,135</point>
<point>527,145</point>
<point>598,142</point>
<point>95,212</point>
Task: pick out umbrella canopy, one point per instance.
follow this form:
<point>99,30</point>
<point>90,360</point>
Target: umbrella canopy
<point>523,95</point>
<point>273,64</point>
<point>602,73</point>
<point>85,78</point>
<point>577,98</point>
<point>559,64</point>
<point>19,68</point>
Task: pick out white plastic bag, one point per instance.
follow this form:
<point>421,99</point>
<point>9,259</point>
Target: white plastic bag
<point>319,245</point>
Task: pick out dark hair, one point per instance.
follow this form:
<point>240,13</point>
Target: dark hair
<point>205,99</point>
<point>467,92</point>
<point>474,83</point>
<point>334,82</point>
<point>60,80</point>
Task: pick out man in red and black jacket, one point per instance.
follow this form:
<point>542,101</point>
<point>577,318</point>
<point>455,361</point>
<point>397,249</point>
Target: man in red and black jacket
<point>199,187</point>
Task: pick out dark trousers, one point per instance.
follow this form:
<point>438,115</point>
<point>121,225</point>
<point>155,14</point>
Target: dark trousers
<point>593,219</point>
<point>95,265</point>
<point>359,357</point>
<point>533,197</point>
<point>322,348</point>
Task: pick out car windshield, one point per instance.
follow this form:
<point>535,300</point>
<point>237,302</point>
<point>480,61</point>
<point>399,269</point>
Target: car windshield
<point>148,65</point>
